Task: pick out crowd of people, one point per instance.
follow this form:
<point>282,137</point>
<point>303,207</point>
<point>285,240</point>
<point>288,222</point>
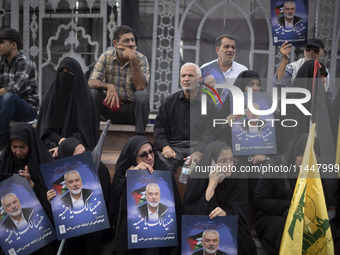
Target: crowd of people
<point>68,124</point>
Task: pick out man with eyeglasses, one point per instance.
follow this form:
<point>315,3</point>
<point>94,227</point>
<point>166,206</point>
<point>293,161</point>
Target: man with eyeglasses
<point>19,98</point>
<point>118,82</point>
<point>286,73</point>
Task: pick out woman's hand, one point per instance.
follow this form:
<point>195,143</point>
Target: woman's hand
<point>217,212</point>
<point>142,166</point>
<point>25,173</point>
<point>54,152</point>
<point>51,194</point>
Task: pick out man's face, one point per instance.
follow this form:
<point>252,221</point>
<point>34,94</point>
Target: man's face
<point>73,183</point>
<point>12,205</point>
<point>210,80</point>
<point>19,148</point>
<point>251,115</point>
<point>189,78</point>
<point>313,52</point>
<point>226,51</point>
<point>126,40</point>
<point>210,242</point>
<point>6,47</point>
<point>289,10</point>
<point>153,196</point>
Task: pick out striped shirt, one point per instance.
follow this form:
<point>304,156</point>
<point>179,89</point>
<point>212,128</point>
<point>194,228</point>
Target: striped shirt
<point>19,78</point>
<point>109,70</point>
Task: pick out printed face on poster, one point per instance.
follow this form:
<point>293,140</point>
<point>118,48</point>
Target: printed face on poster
<point>151,209</point>
<point>24,225</point>
<point>79,207</point>
<point>254,134</point>
<point>289,20</point>
<point>213,236</point>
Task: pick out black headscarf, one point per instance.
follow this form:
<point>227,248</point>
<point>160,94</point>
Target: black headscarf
<point>68,108</point>
<point>297,148</point>
<point>38,154</point>
<point>118,212</point>
<point>231,195</point>
<point>245,77</point>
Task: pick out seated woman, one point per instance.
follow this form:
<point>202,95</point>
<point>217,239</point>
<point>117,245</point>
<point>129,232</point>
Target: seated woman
<point>89,243</point>
<point>273,196</point>
<point>217,195</point>
<point>137,154</point>
<point>23,155</point>
<point>67,109</point>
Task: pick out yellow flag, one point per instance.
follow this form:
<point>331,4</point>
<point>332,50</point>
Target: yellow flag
<point>337,155</point>
<point>307,229</point>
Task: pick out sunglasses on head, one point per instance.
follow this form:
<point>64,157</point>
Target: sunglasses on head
<point>308,48</point>
<point>145,154</point>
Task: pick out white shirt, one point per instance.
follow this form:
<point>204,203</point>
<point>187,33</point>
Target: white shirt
<point>78,204</point>
<point>21,224</point>
<point>153,217</point>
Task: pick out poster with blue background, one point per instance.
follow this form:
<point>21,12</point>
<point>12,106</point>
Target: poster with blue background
<point>289,24</point>
<point>254,134</point>
<point>73,216</point>
<point>24,225</point>
<point>193,227</point>
<point>146,192</point>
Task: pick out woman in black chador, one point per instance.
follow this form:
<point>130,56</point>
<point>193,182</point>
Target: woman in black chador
<point>137,154</point>
<point>67,109</point>
<point>220,194</point>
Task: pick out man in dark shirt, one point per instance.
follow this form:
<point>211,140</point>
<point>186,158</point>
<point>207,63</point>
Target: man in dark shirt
<point>18,87</point>
<point>180,129</point>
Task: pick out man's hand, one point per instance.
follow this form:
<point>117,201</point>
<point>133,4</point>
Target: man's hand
<point>111,96</point>
<point>285,50</point>
<point>128,52</point>
<point>196,157</point>
<point>168,152</point>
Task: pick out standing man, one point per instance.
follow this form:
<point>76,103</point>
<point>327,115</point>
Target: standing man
<point>286,73</point>
<point>118,82</point>
<point>180,129</point>
<point>224,69</point>
<point>18,86</point>
<point>289,20</point>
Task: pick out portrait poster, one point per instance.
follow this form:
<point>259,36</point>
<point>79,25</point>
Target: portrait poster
<point>24,225</point>
<point>144,231</point>
<point>289,25</point>
<point>254,134</point>
<point>88,214</point>
<point>194,226</point>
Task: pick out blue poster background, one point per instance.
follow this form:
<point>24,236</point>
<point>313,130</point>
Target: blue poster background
<point>142,234</point>
<point>39,232</point>
<point>194,225</point>
<point>298,34</point>
<point>247,142</point>
<point>93,216</point>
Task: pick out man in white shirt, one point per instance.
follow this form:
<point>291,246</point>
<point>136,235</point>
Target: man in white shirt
<point>153,210</point>
<point>77,197</point>
<point>18,218</point>
<point>224,69</point>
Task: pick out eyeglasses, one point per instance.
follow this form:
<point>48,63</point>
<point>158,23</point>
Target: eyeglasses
<point>145,154</point>
<point>308,48</point>
<point>228,161</point>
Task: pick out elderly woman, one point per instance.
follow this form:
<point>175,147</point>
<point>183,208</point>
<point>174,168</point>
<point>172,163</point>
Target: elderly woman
<point>23,155</point>
<point>216,194</point>
<point>137,154</point>
<point>67,109</point>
